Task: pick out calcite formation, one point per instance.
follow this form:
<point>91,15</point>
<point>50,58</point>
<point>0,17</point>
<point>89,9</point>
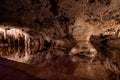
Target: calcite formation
<point>60,39</point>
<point>11,36</point>
<point>22,43</point>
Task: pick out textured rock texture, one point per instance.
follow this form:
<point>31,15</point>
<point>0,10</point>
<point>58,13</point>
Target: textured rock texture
<point>60,39</point>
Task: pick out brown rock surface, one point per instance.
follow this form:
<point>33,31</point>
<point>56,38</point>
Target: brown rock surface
<point>60,39</point>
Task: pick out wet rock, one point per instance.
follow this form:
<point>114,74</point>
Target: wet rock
<point>66,39</point>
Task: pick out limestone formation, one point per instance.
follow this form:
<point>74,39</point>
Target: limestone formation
<point>60,39</point>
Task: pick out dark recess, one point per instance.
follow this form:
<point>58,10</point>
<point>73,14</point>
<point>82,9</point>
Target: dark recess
<point>54,6</point>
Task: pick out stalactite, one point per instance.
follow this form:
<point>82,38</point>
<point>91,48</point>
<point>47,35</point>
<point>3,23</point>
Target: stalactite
<point>41,42</point>
<point>16,34</point>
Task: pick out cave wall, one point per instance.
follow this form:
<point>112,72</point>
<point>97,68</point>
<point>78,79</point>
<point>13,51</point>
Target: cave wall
<point>40,12</point>
<point>50,23</point>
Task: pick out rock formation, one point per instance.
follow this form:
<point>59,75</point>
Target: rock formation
<point>60,39</point>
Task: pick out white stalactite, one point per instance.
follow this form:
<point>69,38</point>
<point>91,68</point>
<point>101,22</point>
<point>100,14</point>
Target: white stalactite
<point>17,34</point>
